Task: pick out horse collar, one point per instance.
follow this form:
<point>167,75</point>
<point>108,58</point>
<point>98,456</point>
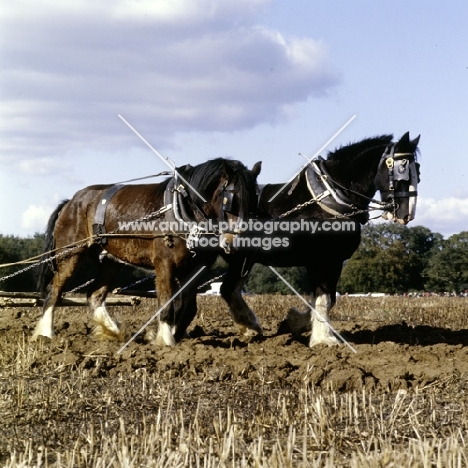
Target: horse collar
<point>329,197</point>
<point>175,197</point>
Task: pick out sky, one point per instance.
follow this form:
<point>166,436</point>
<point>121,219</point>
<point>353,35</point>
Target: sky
<point>253,80</point>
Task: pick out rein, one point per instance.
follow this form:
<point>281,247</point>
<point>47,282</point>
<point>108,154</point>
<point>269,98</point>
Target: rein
<point>164,173</point>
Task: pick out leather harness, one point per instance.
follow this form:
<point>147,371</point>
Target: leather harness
<point>331,197</point>
<point>176,203</point>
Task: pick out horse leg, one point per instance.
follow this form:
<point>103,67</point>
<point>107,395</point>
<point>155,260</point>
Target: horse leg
<point>165,286</point>
<point>106,327</point>
<point>321,331</point>
<point>317,316</point>
<point>185,312</point>
<point>231,291</point>
<point>64,271</point>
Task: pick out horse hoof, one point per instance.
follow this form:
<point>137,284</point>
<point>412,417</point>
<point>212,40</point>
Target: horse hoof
<point>254,330</point>
<point>329,341</point>
<point>41,339</point>
<point>163,337</point>
<point>104,333</point>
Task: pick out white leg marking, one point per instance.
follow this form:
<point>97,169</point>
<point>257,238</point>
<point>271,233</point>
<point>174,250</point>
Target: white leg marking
<point>45,326</point>
<point>164,337</point>
<point>321,332</point>
<point>105,325</point>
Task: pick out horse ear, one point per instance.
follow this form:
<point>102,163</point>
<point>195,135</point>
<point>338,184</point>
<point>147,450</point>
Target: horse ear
<point>405,139</point>
<point>415,141</point>
<point>257,168</point>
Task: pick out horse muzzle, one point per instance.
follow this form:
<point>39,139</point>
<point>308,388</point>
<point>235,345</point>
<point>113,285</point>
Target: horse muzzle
<point>391,217</point>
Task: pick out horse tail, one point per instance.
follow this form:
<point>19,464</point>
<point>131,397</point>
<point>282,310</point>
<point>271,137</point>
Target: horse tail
<point>46,269</point>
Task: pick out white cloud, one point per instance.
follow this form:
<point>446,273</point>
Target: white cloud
<point>35,218</point>
<point>69,68</point>
<point>43,166</point>
<point>190,11</point>
<point>446,216</point>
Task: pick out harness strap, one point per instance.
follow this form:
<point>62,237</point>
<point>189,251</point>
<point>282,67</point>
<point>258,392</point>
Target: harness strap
<point>399,194</point>
<point>176,196</point>
<point>321,189</point>
<point>100,215</point>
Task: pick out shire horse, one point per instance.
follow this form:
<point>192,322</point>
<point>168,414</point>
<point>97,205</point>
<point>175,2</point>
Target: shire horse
<point>89,226</point>
<point>339,187</point>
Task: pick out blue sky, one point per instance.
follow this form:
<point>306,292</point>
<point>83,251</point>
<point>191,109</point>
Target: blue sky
<point>247,79</point>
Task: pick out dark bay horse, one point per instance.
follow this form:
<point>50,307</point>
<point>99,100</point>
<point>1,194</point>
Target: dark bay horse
<point>111,224</point>
<point>335,192</point>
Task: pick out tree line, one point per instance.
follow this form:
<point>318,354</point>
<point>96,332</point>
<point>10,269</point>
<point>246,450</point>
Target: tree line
<point>391,259</point>
<point>15,249</point>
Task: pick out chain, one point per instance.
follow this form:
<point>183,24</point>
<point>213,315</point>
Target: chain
<point>45,260</point>
<point>296,208</point>
<point>124,288</point>
<point>212,280</point>
<point>4,278</point>
<point>344,215</point>
<point>153,214</point>
<point>81,286</point>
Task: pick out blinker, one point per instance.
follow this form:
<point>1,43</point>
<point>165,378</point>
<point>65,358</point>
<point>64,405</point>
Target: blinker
<point>227,201</point>
<point>402,170</point>
<point>228,195</point>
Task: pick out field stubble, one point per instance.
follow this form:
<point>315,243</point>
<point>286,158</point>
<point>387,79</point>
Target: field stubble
<point>218,399</point>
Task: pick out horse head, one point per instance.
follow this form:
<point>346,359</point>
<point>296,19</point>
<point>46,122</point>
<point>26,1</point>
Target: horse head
<point>397,179</point>
<point>237,201</point>
<point>229,193</point>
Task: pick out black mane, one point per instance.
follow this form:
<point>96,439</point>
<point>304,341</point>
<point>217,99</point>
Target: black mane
<point>205,177</point>
<point>349,152</point>
<point>208,173</point>
<point>355,165</point>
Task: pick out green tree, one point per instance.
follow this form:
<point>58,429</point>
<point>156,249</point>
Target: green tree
<point>390,259</point>
<point>448,267</point>
<point>263,280</point>
<point>15,249</point>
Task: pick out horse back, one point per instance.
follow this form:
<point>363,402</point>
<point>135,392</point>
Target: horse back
<point>129,203</point>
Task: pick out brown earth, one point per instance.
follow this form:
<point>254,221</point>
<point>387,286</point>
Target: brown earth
<point>406,383</point>
<point>389,354</point>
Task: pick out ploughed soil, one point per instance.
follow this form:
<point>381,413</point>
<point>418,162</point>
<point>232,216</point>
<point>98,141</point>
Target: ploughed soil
<point>75,400</point>
<point>394,343</point>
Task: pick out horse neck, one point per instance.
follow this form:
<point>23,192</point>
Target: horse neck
<point>357,174</point>
<point>285,199</point>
